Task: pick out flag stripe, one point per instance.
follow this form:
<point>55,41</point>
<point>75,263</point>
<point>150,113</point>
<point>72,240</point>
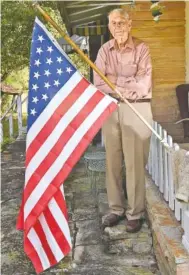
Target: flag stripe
<point>43,167</point>
<point>60,219</point>
<point>35,241</point>
<point>51,239</point>
<point>60,200</point>
<point>33,255</point>
<point>66,168</point>
<point>60,127</point>
<point>40,233</point>
<point>51,107</point>
<point>63,156</point>
<point>50,125</point>
<point>58,232</point>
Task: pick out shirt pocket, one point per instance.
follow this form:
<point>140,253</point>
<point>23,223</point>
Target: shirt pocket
<point>128,69</point>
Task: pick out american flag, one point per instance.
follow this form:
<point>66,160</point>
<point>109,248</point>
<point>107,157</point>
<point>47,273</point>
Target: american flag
<point>65,112</point>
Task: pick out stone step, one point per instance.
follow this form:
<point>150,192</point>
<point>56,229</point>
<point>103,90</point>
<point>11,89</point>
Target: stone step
<point>101,269</point>
<point>117,240</point>
<point>96,254</point>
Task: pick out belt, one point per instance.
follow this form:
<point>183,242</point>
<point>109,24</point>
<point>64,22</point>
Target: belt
<point>131,101</point>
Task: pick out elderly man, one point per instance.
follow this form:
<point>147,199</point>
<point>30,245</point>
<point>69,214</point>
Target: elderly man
<point>126,62</point>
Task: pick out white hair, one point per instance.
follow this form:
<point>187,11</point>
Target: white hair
<point>122,12</point>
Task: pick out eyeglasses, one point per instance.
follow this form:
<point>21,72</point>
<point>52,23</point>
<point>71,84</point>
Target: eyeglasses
<point>118,24</point>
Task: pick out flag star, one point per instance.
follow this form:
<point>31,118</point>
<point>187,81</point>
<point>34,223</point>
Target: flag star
<point>35,99</point>
<point>47,85</point>
<point>36,75</point>
<point>39,50</point>
<point>59,71</point>
<point>47,73</point>
<point>49,61</point>
<point>33,112</point>
<point>68,70</point>
<point>56,83</point>
<point>44,96</point>
<point>40,38</point>
<point>37,62</point>
<point>59,59</point>
<point>49,49</point>
<point>35,87</point>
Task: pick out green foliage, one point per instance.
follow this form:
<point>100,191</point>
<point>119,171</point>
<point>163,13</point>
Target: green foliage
<point>19,79</point>
<point>17,24</point>
<point>80,64</point>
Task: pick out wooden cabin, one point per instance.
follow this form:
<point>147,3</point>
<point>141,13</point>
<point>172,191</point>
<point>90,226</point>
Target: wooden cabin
<point>168,39</point>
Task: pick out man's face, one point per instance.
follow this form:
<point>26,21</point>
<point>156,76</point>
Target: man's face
<point>119,27</point>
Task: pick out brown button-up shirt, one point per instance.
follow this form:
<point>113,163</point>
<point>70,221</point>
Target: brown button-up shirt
<point>129,69</point>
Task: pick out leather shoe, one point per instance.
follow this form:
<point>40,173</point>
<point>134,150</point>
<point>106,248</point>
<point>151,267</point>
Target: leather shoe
<point>133,226</point>
<point>111,220</point>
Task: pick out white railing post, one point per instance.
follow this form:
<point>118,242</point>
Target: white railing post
<point>11,126</point>
<point>1,132</point>
<point>185,238</point>
<point>160,160</point>
<point>178,208</point>
<point>156,156</point>
<point>154,153</point>
<point>149,166</point>
<point>19,112</point>
<point>165,168</point>
<point>170,176</point>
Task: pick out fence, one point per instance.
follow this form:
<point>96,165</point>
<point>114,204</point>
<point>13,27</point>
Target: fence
<point>15,107</point>
<point>160,168</point>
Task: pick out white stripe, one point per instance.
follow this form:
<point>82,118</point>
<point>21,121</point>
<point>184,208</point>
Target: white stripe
<point>57,132</point>
<point>34,239</point>
<point>52,106</point>
<point>64,155</point>
<point>62,190</point>
<point>60,219</point>
<point>57,252</point>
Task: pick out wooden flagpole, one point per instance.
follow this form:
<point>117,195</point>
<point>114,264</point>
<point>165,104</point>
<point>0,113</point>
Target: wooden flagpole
<point>93,66</point>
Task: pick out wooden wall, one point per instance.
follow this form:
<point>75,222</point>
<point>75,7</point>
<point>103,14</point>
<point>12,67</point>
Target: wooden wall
<point>166,40</point>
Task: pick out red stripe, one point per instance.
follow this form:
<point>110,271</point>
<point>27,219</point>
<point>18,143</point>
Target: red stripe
<point>32,254</point>
<point>59,198</point>
<point>57,232</point>
<point>61,142</point>
<point>67,167</point>
<point>55,118</point>
<point>41,235</point>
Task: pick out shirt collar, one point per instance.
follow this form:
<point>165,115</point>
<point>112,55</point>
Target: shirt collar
<point>129,43</point>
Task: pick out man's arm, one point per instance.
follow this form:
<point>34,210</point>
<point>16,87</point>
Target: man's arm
<point>138,86</point>
<point>98,81</point>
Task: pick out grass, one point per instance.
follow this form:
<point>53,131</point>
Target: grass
<point>6,136</point>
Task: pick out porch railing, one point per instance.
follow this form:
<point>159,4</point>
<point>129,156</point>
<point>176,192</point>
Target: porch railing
<point>160,168</point>
<point>15,107</point>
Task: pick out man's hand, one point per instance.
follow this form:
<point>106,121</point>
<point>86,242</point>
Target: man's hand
<point>129,94</point>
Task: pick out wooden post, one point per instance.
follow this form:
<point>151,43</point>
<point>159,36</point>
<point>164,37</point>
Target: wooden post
<point>94,46</point>
<point>19,112</point>
<point>11,125</point>
<point>1,132</point>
